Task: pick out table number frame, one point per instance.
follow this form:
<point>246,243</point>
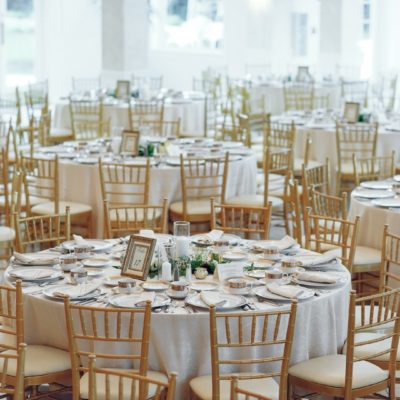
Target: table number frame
<point>138,257</point>
<point>130,142</point>
<point>351,112</point>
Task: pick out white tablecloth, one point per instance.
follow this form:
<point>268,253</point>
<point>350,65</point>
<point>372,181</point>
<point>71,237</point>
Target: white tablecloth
<point>180,342</point>
<point>81,183</point>
<point>190,112</point>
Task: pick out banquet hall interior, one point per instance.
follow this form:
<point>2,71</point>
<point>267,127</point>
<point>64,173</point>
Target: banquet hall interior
<point>199,199</point>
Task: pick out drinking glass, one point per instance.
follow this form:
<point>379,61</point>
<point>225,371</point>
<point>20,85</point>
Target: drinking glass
<point>182,228</point>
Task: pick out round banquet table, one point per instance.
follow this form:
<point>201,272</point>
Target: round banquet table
<point>180,341</point>
<point>190,112</point>
<point>81,183</point>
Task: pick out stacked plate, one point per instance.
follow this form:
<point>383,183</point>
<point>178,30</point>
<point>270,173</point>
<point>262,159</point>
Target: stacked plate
<point>98,246</point>
<point>373,194</point>
<point>36,275</point>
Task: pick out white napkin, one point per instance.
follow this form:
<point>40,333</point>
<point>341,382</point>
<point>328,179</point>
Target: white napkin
<point>141,299</point>
<point>212,299</point>
<point>172,150</point>
<point>32,273</point>
<point>147,233</point>
<point>79,240</point>
<point>288,291</point>
<point>314,260</point>
<point>76,291</point>
<point>282,244</point>
<point>320,277</point>
<point>214,235</point>
<point>36,258</point>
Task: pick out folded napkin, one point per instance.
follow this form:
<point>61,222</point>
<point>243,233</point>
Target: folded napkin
<point>212,299</point>
<point>32,274</point>
<point>214,235</point>
<point>314,260</point>
<point>36,258</point>
<point>172,150</point>
<point>320,277</point>
<point>79,240</point>
<point>283,244</point>
<point>288,291</point>
<point>141,299</point>
<point>147,233</point>
<point>77,291</point>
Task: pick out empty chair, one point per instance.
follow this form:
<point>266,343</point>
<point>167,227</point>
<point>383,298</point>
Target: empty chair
<point>147,85</point>
<point>85,85</point>
<point>146,114</point>
<point>356,91</point>
<point>298,96</point>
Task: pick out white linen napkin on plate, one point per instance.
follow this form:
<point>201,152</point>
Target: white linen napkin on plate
<point>79,240</point>
<point>142,298</point>
<point>77,291</point>
<point>288,291</point>
<point>212,299</point>
<point>282,244</point>
<point>314,260</point>
<point>147,233</point>
<point>214,235</point>
<point>317,276</point>
<point>32,273</point>
<point>36,258</point>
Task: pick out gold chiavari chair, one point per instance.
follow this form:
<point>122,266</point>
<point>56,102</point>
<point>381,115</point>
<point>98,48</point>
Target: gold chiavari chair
<point>233,337</point>
<point>37,99</point>
<point>389,274</point>
<point>236,392</point>
<point>298,96</point>
<point>358,373</point>
<point>145,113</point>
<point>87,119</point>
<point>280,136</point>
<point>48,135</point>
<point>373,168</point>
<point>293,212</point>
<point>358,139</point>
<point>114,335</point>
<point>321,101</point>
<point>171,128</point>
<point>85,85</point>
<point>41,186</point>
<point>152,83</point>
<point>127,384</point>
<point>127,220</point>
<point>328,205</point>
<point>43,231</point>
<point>43,364</point>
<point>306,159</point>
<point>248,222</point>
<point>356,91</point>
<point>201,179</point>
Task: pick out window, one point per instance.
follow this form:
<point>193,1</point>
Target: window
<point>366,18</point>
<point>196,24</point>
<point>299,34</point>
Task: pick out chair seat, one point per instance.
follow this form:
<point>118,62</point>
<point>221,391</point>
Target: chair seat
<point>330,370</point>
<point>6,234</point>
<point>255,200</point>
<point>40,360</point>
<point>363,256</point>
<point>202,387</point>
<point>32,200</point>
<point>114,381</point>
<point>368,350</point>
<point>381,329</point>
<point>298,165</point>
<point>59,133</point>
<point>48,208</point>
<point>194,207</point>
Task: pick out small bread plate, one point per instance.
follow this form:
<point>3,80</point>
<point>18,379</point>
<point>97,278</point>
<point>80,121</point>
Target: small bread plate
<point>155,286</point>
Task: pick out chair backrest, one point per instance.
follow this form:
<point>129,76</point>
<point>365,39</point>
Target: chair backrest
<point>331,231</point>
<point>127,220</point>
<point>4,180</point>
<point>87,119</point>
<point>373,168</point>
<point>280,136</point>
<point>37,99</point>
<point>322,101</point>
<point>328,205</point>
<point>147,113</point>
<point>153,83</point>
<point>113,334</point>
<point>356,91</point>
<point>203,178</point>
<point>41,231</point>
<point>249,222</point>
<point>233,335</point>
<point>127,385</point>
<point>11,314</point>
<point>248,395</point>
<point>17,388</point>
<point>171,128</point>
<point>298,96</point>
<point>358,139</point>
<point>293,211</point>
<point>40,178</point>
<point>82,85</point>
<point>125,184</point>
<point>375,310</point>
<point>44,129</point>
<point>389,276</point>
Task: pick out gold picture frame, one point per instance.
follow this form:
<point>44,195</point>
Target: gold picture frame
<point>123,89</point>
<point>351,112</point>
<point>130,142</point>
<point>138,257</point>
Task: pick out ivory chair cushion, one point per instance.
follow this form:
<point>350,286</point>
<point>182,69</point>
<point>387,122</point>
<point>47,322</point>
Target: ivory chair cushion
<point>364,255</point>
<point>40,360</point>
<point>330,370</point>
<point>101,386</point>
<point>378,329</point>
<point>255,200</point>
<point>6,234</point>
<point>48,208</point>
<point>347,168</point>
<point>202,387</point>
<point>373,348</point>
<point>194,207</point>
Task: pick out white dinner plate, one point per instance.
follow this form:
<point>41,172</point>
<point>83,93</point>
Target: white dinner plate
<point>155,286</point>
<point>34,274</point>
<point>130,300</point>
<point>96,262</point>
<point>376,185</point>
<point>387,203</point>
<point>373,194</point>
<point>233,240</point>
<point>264,293</point>
<point>49,292</point>
<point>256,273</point>
<point>48,259</point>
<point>112,280</point>
<point>341,280</point>
<point>204,285</point>
<point>97,245</point>
<point>235,255</point>
<point>231,301</point>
